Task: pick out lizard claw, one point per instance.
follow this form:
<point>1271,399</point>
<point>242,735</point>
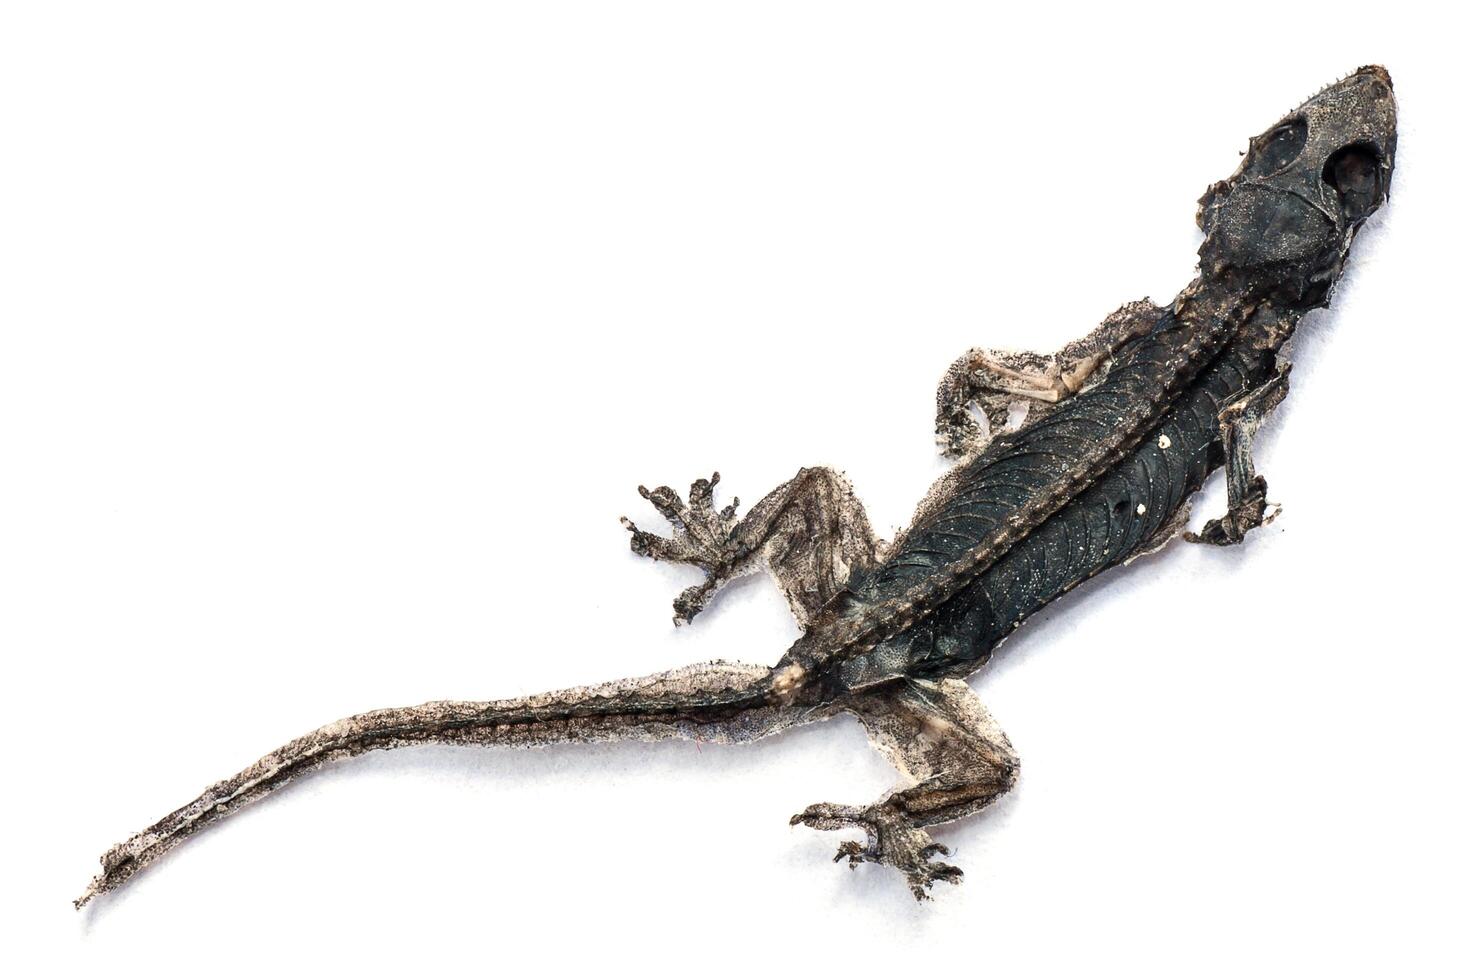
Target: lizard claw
<point>702,536</point>
<point>852,850</point>
<point>890,839</point>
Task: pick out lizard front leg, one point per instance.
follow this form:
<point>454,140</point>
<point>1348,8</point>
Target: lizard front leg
<point>812,533</point>
<point>1238,422</point>
<point>956,760</point>
<point>994,379</point>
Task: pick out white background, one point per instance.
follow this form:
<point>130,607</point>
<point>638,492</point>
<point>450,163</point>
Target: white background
<point>337,337</point>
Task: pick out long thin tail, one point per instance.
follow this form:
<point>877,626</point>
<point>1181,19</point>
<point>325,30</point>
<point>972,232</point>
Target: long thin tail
<point>719,702</point>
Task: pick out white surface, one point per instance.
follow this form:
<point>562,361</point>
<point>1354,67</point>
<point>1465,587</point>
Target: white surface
<point>337,337</point>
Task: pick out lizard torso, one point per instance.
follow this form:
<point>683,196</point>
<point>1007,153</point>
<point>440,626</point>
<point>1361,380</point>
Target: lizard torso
<point>1048,506</point>
<point>1125,512</point>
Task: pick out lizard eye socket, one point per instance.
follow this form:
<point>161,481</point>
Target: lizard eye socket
<point>1355,172</point>
<point>1277,149</point>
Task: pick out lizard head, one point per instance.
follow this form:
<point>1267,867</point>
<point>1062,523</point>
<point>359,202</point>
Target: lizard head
<point>1284,220</point>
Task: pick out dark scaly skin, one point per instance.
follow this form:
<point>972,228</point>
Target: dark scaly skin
<point>1024,478</point>
<point>947,594</point>
<point>1098,529</point>
<point>1101,475</point>
<point>973,542</point>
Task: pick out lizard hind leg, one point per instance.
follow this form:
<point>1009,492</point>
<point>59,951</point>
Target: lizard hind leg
<point>995,379</point>
<point>811,532</point>
<point>955,759</point>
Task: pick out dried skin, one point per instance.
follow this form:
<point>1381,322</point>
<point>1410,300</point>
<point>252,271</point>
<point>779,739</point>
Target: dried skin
<point>1124,426</point>
<point>954,760</point>
<point>716,702</point>
<point>994,379</point>
<point>811,533</point>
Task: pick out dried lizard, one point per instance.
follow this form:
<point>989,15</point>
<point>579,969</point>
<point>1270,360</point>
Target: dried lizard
<point>1121,428</point>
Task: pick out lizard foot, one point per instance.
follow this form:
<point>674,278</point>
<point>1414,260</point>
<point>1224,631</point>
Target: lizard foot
<point>1254,511</point>
<point>891,839</point>
<point>703,537</point>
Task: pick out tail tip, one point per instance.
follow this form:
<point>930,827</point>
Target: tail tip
<point>98,885</point>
